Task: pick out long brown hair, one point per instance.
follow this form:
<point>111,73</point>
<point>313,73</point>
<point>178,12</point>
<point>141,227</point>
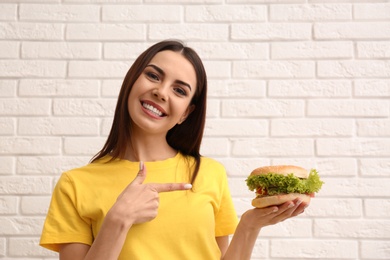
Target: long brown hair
<point>185,137</point>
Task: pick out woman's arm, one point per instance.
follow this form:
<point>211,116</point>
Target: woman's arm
<point>107,245</point>
<point>252,221</point>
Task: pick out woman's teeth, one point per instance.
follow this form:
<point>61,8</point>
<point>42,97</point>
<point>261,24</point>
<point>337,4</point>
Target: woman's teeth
<point>152,109</point>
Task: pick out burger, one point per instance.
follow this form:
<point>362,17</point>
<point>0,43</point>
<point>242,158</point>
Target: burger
<point>275,185</point>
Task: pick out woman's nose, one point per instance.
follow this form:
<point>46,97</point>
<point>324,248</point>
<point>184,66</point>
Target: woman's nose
<point>161,93</point>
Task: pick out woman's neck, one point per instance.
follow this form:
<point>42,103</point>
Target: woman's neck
<point>148,149</point>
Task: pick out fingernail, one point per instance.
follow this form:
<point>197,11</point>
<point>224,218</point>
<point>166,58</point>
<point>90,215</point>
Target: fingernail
<point>299,202</point>
<point>275,210</point>
<point>291,205</point>
<point>141,165</point>
<point>187,186</point>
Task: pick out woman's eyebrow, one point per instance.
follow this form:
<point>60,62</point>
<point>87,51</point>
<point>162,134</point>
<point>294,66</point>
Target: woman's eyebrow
<point>159,70</point>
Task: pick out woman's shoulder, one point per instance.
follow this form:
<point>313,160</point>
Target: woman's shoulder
<point>212,164</point>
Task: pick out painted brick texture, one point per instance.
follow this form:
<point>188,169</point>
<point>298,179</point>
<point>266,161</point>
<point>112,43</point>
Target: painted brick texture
<point>303,82</point>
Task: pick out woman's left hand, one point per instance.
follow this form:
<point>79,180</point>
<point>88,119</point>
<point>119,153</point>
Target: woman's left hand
<point>255,219</point>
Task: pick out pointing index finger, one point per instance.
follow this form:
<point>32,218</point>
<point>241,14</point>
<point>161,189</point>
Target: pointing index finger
<point>167,187</point>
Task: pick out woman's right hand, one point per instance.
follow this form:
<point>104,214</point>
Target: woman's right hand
<point>138,202</point>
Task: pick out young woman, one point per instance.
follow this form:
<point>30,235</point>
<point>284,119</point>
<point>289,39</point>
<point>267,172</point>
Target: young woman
<point>149,194</point>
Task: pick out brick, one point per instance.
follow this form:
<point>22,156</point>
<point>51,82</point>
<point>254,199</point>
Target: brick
<point>260,249</point>
<point>215,147</point>
<point>260,147</point>
<point>378,249</point>
<point>262,108</point>
<point>372,167</point>
<point>290,228</point>
<point>337,166</point>
<point>354,69</point>
<point>236,88</point>
<point>181,1</point>
<point>84,107</point>
<point>191,32</point>
<point>2,246</point>
<point>8,205</point>
<point>103,1</point>
<point>377,208</point>
<point>7,126</point>
<point>213,108</point>
<point>225,13</point>
<point>98,69</point>
<point>348,108</point>
<point>309,88</point>
<point>123,50</point>
<point>7,165</point>
<point>9,50</point>
<point>61,50</point>
<point>34,205</point>
<point>8,12</point>
<point>352,31</point>
<point>377,11</point>
<point>100,31</point>
<point>46,165</point>
<point>136,13</point>
<point>86,146</point>
<point>8,88</point>
<point>31,31</point>
<point>271,31</point>
<point>309,249</point>
<point>106,124</point>
<point>372,88</point>
<point>242,205</point>
<point>30,145</point>
<point>352,228</point>
<point>59,13</point>
<point>111,88</point>
<point>236,127</point>
<point>25,106</point>
<point>58,126</point>
<point>21,225</point>
<point>217,69</point>
<point>238,188</point>
<point>242,167</point>
<point>373,127</point>
<point>273,69</point>
<point>334,208</point>
<point>373,49</point>
<point>59,87</point>
<point>12,185</point>
<point>353,147</point>
<point>231,50</point>
<point>32,68</point>
<point>355,187</point>
<point>311,50</point>
<point>310,12</point>
<point>312,127</point>
<point>27,247</point>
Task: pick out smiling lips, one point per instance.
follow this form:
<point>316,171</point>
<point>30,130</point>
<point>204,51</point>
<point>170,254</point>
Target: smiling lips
<point>150,108</point>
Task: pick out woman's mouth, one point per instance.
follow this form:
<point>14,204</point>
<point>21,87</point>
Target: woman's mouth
<point>152,109</point>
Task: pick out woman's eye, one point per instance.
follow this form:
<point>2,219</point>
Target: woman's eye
<point>181,91</point>
<point>152,75</point>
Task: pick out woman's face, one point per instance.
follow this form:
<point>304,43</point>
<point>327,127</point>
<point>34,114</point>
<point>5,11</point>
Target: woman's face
<point>161,96</point>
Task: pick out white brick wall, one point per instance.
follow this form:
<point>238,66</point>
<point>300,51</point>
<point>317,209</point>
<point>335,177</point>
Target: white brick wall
<point>305,82</point>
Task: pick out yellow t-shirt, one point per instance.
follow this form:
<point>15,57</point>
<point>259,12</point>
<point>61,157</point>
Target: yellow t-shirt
<point>186,224</point>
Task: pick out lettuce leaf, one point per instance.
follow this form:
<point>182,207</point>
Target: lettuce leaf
<point>276,183</point>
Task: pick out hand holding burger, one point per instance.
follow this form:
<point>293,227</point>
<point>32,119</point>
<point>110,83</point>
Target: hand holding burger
<point>275,185</point>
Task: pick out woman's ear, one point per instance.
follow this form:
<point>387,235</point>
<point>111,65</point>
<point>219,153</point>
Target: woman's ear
<point>188,111</point>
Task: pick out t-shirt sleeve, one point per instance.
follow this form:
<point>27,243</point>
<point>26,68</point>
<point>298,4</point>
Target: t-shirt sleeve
<point>226,217</point>
<point>63,223</point>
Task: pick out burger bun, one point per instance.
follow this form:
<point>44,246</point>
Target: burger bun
<point>266,201</point>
